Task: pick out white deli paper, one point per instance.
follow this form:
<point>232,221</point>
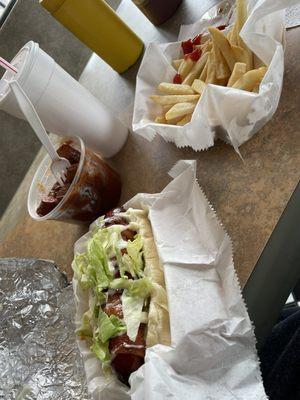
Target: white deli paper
<point>230,114</point>
<point>212,354</point>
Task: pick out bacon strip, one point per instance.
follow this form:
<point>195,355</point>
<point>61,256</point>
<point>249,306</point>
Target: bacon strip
<point>113,305</point>
<point>127,356</point>
<point>113,218</point>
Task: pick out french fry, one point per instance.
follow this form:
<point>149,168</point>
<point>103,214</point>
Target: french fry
<point>222,69</point>
<point>229,35</point>
<point>196,70</point>
<point>209,45</point>
<point>174,99</point>
<point>221,41</point>
<point>241,55</point>
<point>174,121</point>
<point>180,110</point>
<point>173,88</point>
<point>238,71</point>
<point>255,89</point>
<point>250,79</point>
<point>176,63</point>
<point>241,17</point>
<point>205,47</point>
<point>233,35</point>
<point>166,108</point>
<point>211,70</point>
<point>160,119</point>
<point>211,75</point>
<point>185,67</point>
<point>221,82</point>
<point>241,14</point>
<point>184,120</point>
<point>248,53</point>
<point>203,74</point>
<point>198,86</point>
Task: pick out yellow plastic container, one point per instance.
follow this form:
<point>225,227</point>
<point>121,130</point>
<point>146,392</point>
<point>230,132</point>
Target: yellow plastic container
<point>97,25</point>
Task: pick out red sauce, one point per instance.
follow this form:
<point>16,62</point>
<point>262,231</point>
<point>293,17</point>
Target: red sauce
<point>197,39</point>
<point>177,79</point>
<point>194,55</point>
<point>187,46</point>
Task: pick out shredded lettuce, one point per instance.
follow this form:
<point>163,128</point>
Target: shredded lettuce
<point>89,271</point>
<point>132,261</point>
<point>109,326</point>
<point>101,298</point>
<point>134,251</point>
<point>140,288</point>
<point>132,310</point>
<point>85,330</point>
<point>133,297</point>
<point>80,265</point>
<point>97,251</point>
<point>122,267</point>
<point>120,283</point>
<point>98,266</point>
<point>100,350</point>
<point>93,271</point>
<point>109,238</point>
<point>92,268</point>
<point>135,288</point>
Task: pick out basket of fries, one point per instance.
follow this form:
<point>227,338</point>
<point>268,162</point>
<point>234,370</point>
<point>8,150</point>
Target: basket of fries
<point>218,81</point>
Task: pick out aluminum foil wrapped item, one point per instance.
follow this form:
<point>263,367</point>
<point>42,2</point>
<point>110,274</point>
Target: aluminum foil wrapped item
<point>222,112</point>
<point>39,358</point>
<point>212,353</point>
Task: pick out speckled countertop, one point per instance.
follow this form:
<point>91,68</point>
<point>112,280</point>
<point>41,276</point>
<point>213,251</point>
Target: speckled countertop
<point>249,196</point>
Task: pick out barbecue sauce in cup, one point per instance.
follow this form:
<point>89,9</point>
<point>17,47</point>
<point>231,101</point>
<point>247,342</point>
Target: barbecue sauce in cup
<point>90,189</point>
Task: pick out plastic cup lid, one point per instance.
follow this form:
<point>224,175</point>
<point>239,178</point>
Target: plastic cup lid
<point>19,61</point>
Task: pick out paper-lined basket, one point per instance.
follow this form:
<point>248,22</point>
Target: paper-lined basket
<point>222,112</point>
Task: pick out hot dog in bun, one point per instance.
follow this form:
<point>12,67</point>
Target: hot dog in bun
<point>122,275</point>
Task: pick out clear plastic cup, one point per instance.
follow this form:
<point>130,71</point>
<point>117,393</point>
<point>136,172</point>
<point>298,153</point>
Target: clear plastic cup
<point>95,188</point>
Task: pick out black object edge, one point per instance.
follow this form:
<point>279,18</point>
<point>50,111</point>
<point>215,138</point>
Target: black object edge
<point>6,11</point>
<point>276,272</point>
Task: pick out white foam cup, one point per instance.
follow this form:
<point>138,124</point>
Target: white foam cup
<point>63,104</point>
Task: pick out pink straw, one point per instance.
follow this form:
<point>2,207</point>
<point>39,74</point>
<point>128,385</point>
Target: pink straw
<point>5,64</point>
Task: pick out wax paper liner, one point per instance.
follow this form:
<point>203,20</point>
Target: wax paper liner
<point>230,114</point>
<point>212,354</point>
